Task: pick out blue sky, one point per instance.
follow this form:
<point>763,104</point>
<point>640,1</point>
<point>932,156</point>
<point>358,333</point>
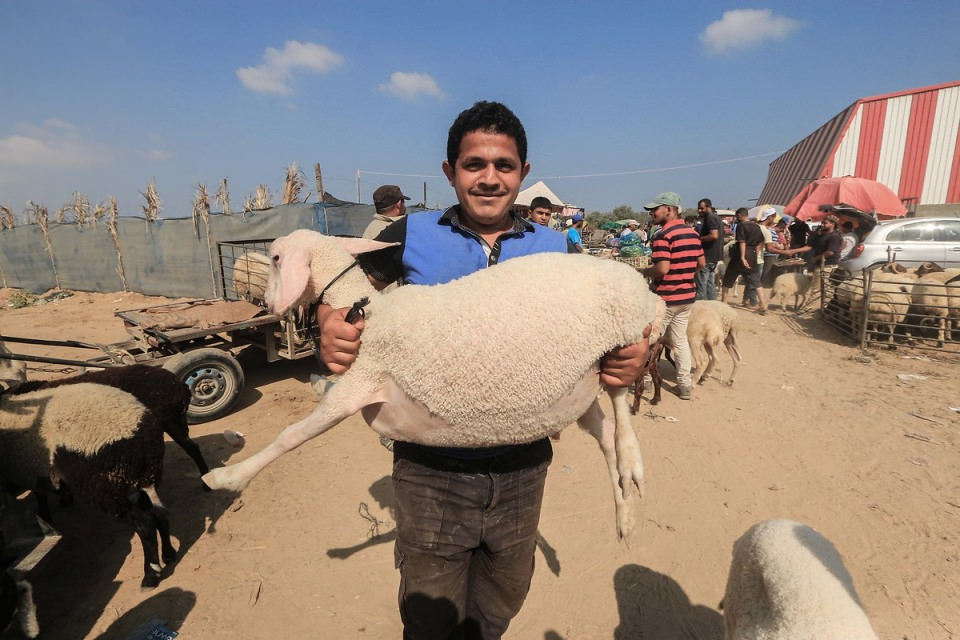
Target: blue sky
<point>103,97</point>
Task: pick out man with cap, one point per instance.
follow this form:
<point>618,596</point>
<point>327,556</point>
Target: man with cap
<point>574,241</point>
<point>711,238</point>
<point>772,245</point>
<point>389,203</point>
<point>677,255</point>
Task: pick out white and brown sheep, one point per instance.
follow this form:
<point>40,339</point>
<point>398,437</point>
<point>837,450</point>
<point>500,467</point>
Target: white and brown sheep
<point>436,359</point>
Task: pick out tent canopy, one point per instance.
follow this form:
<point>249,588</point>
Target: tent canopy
<point>525,197</point>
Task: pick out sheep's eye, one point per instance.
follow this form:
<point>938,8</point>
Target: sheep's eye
<point>275,258</point>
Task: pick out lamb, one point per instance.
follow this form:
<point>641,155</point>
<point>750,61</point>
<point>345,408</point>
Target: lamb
<point>250,272</point>
<point>427,373</point>
<point>156,388</point>
<point>788,582</point>
<point>796,285</point>
<point>711,322</point>
<point>103,443</point>
<point>889,298</point>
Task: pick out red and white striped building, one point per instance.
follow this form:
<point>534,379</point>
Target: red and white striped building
<point>909,141</point>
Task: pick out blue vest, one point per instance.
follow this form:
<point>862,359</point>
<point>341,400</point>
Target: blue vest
<point>436,252</point>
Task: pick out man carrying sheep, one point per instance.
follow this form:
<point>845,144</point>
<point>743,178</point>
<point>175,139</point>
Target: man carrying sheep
<point>466,518</point>
<point>677,257</point>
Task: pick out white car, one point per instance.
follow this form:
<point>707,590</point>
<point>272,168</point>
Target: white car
<point>910,242</point>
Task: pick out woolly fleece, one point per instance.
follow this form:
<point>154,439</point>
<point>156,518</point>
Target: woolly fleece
<point>788,582</point>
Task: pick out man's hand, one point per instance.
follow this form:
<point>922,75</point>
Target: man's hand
<point>621,367</point>
<point>339,340</point>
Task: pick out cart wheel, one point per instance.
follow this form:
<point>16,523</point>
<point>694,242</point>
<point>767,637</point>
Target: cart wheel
<point>215,380</point>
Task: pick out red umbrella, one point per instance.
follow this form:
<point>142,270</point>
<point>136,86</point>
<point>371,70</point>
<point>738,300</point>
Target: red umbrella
<point>864,194</point>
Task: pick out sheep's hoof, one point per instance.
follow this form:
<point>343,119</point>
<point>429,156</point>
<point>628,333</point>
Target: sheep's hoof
<point>169,556</point>
<point>729,382</point>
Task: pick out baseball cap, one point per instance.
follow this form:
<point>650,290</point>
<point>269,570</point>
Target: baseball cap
<point>577,217</point>
<point>387,196</point>
<point>667,197</point>
<point>766,213</point>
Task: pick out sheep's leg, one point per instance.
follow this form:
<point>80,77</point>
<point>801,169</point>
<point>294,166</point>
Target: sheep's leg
<point>343,400</point>
<point>167,553</point>
<point>620,448</point>
<point>190,448</point>
<point>711,360</point>
<point>731,343</point>
<point>145,524</point>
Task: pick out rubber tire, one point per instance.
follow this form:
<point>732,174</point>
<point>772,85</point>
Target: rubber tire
<point>215,380</point>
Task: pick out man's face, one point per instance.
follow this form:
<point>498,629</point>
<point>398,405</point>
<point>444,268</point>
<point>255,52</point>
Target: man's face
<point>540,215</point>
<point>486,178</point>
<point>828,225</point>
<point>703,209</point>
<point>659,215</point>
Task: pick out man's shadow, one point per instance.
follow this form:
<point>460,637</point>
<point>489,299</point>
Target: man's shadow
<point>382,491</point>
<point>653,605</point>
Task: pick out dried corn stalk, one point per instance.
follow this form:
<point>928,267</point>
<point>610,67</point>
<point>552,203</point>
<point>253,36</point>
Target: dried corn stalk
<point>61,216</point>
<point>151,210</point>
<point>201,211</point>
<point>7,219</point>
<point>293,184</point>
<point>112,228</point>
<point>222,196</point>
<point>201,208</point>
<point>39,214</point>
<point>81,209</point>
<point>98,212</point>
<point>259,200</point>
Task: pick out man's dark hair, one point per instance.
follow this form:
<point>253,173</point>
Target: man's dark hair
<point>489,117</point>
<point>743,211</point>
<point>541,202</point>
<point>705,202</point>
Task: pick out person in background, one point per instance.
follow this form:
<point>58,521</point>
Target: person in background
<point>677,255</point>
<point>574,241</point>
<point>823,246</point>
<point>466,518</point>
<point>798,233</point>
<point>849,238</point>
<point>773,246</point>
<point>388,200</point>
<point>783,233</point>
<point>748,238</point>
<point>540,211</point>
<point>630,229</point>
<point>711,238</point>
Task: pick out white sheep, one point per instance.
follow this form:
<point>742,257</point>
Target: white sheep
<point>711,324</point>
<point>250,272</point>
<point>935,301</point>
<point>103,443</point>
<point>795,285</point>
<point>788,582</point>
<point>438,363</point>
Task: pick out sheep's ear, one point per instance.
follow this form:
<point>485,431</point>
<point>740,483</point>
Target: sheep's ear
<point>356,246</point>
<point>289,276</point>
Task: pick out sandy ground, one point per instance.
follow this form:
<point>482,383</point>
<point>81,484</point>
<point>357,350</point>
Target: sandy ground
<point>812,430</point>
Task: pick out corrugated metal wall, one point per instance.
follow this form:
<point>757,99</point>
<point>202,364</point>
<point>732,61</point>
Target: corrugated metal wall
<point>909,141</point>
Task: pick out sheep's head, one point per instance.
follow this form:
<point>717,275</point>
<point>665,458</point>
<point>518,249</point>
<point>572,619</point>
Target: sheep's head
<point>304,262</point>
<point>929,267</point>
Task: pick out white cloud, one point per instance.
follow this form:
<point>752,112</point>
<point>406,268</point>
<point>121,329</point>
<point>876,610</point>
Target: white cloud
<point>157,154</point>
<point>274,75</point>
<point>56,145</point>
<point>745,28</point>
<point>409,86</point>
